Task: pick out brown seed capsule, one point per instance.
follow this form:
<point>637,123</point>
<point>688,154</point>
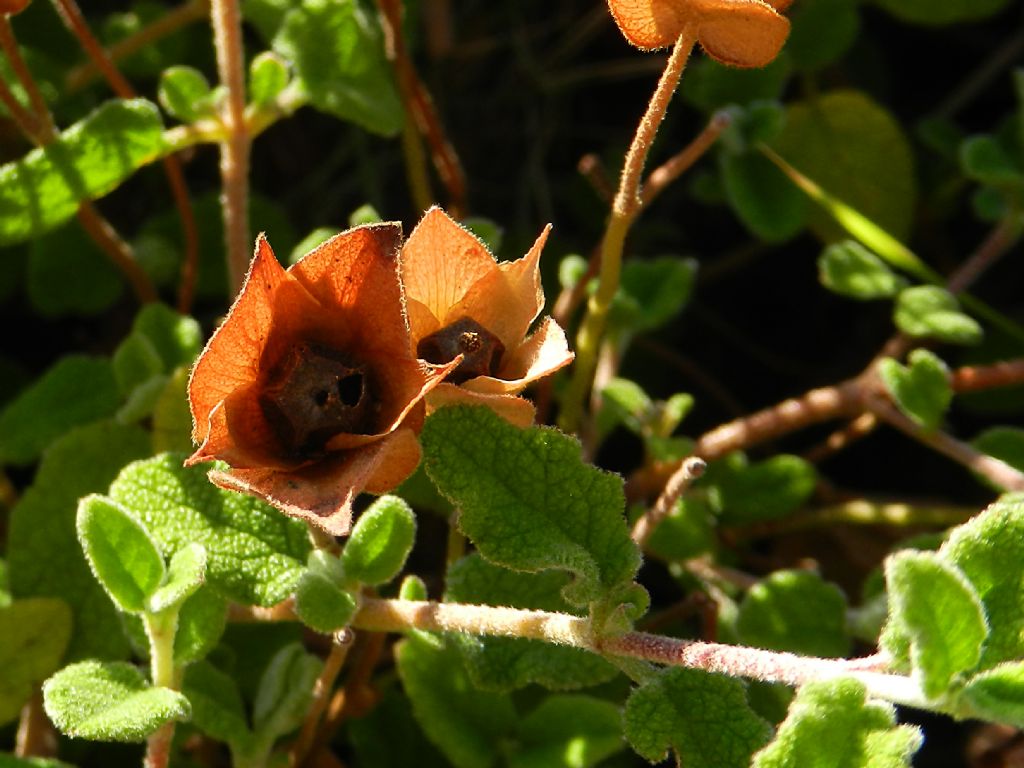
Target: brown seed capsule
<point>481,349</point>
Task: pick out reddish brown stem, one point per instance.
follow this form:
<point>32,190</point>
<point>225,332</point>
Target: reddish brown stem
<point>321,695</point>
<point>46,131</point>
<point>420,106</point>
<point>104,234</point>
<point>662,176</point>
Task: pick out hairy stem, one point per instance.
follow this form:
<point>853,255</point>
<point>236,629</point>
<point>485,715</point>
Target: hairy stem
<point>234,150</point>
<point>322,689</point>
<point>624,208</point>
<point>160,628</point>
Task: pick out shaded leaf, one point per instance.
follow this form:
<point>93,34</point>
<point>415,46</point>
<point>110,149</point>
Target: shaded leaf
<point>763,199</point>
<point>65,251</point>
<point>765,490</point>
<point>929,12</point>
<point>285,693</point>
<point>217,707</point>
<point>185,574</point>
<point>34,634</point>
<point>568,730</point>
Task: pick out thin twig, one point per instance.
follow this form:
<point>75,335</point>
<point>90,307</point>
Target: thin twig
<point>36,735</point>
<point>226,17</point>
<point>679,163</point>
<point>691,468</point>
<point>194,10</point>
<point>856,429</point>
<point>357,696</point>
<point>46,129</point>
<point>322,689</point>
<point>104,234</point>
<point>72,15</point>
<point>1001,239</point>
<point>26,122</point>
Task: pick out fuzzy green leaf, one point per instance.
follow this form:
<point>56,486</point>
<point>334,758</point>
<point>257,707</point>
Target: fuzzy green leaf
<point>795,611</point>
<point>831,725</point>
<point>109,702</point>
<point>765,490</point>
<point>285,693</point>
<point>337,49</point>
<point>927,311</point>
<point>507,663</point>
<point>217,707</point>
<point>1004,443</point>
<point>466,724</point>
<point>660,715</point>
<point>34,634</point>
<point>45,558</point>
<point>822,32</point>
<point>120,551</point>
<point>373,737</point>
<point>136,362</point>
<point>568,731</point>
<point>68,250</point>
<point>268,75</point>
<point>176,338</point>
<point>529,502</point>
<point>75,391</point>
<point>988,550</point>
<point>171,417</point>
<point>850,269</point>
<point>998,694</point>
<point>709,85</point>
<point>255,554</point>
<point>185,574</point>
<point>940,612</point>
<point>43,189</point>
<point>688,531</point>
<point>184,93</point>
<point>380,542</point>
<point>202,619</point>
<point>321,600</point>
<point>922,389</point>
<point>623,402</point>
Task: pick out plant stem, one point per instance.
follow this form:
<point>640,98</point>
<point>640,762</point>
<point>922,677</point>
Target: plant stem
<point>160,628</point>
<point>340,646</point>
<point>624,207</point>
<point>234,150</point>
<point>119,252</point>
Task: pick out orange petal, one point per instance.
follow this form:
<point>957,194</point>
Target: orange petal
<point>650,24</point>
<point>516,410</point>
<point>322,493</point>
<point>440,261</point>
<point>507,301</point>
<point>399,457</point>
<point>354,275</point>
<point>540,355</point>
<point>742,34</point>
<point>231,358</point>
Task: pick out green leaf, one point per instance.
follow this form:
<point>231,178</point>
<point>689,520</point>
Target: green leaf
<point>268,75</point>
<point>853,147</point>
<point>171,417</point>
<point>998,694</point>
<point>528,502</point>
<point>337,49</point>
<point>652,292</point>
<point>373,737</point>
<point>10,761</point>
<point>922,389</point>
<point>379,542</point>
<point>821,32</point>
<point>217,708</point>
<point>932,13</point>
<point>42,532</point>
<point>709,85</point>
<point>568,730</point>
<point>321,600</point>
<point>858,733</point>
<point>766,490</point>
<point>34,634</point>
<point>43,190</point>
<point>255,554</point>
<point>850,269</point>
<point>185,574</point>
<point>795,611</point>
<point>1004,443</point>
<point>931,312</point>
<point>660,715</point>
<point>762,197</point>
<point>136,362</point>
<point>202,619</point>
<point>984,159</point>
<point>120,551</point>
<point>507,663</point>
<point>184,93</point>
<point>466,724</point>
<point>688,531</point>
<point>623,402</point>
<point>109,702</point>
<point>76,390</point>
<point>935,605</point>
<point>68,250</point>
<point>284,694</point>
<point>176,338</point>
<point>989,550</point>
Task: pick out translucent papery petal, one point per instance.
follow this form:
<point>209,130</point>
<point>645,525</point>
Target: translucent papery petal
<point>355,276</point>
<point>239,435</point>
<point>516,410</point>
<point>742,33</point>
<point>650,24</point>
<point>440,261</point>
<point>506,301</point>
<point>231,357</point>
<point>543,353</point>
<point>322,493</point>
